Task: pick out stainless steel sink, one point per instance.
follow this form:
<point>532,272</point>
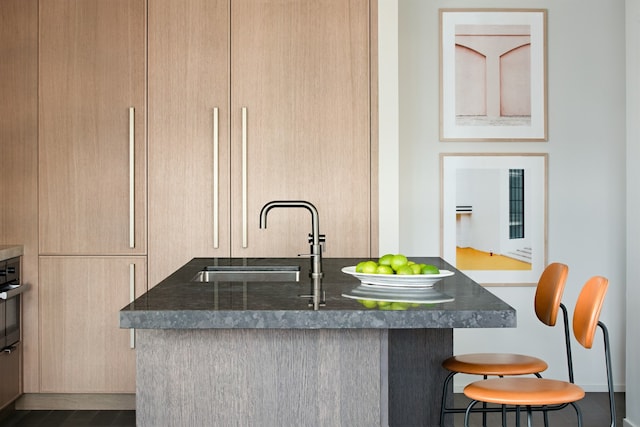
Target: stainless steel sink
<point>252,273</point>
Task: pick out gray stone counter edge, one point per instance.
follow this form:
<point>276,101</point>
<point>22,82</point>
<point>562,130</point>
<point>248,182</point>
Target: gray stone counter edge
<point>324,319</point>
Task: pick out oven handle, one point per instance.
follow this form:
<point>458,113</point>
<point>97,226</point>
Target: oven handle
<point>9,349</point>
<point>13,291</point>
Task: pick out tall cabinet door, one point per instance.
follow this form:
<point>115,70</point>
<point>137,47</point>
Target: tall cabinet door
<point>19,154</point>
<point>92,165</point>
<point>83,349</point>
<point>188,132</point>
<point>300,124</point>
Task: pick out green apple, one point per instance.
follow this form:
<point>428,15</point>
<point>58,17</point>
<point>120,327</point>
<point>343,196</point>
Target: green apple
<point>369,267</point>
<point>415,268</point>
<point>385,259</point>
<point>398,261</point>
<point>384,269</point>
<point>359,266</point>
<point>405,270</point>
<point>430,269</point>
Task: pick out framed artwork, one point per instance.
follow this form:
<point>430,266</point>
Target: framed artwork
<point>493,75</point>
<point>494,216</point>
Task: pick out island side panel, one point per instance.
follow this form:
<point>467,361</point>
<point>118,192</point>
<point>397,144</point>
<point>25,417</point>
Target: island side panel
<point>416,376</point>
<point>259,377</point>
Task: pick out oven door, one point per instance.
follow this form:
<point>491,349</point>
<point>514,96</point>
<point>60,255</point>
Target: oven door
<point>12,322</point>
<point>3,324</point>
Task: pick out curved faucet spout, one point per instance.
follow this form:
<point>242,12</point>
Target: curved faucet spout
<point>315,218</point>
<point>316,249</point>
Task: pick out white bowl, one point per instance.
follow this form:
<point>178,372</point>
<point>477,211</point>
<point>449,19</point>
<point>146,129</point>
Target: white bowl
<point>398,280</point>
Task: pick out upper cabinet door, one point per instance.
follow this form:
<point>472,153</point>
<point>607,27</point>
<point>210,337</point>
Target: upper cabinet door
<point>189,88</point>
<point>92,114</point>
<point>300,124</point>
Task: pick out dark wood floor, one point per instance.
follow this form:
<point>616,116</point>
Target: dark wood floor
<point>70,419</point>
<point>595,408</point>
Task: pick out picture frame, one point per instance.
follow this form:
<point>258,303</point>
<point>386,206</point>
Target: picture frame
<point>494,216</point>
<point>493,75</point>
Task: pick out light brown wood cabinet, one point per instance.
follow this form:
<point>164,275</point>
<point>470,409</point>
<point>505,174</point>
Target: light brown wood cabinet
<point>92,142</point>
<point>248,101</point>
<point>189,89</point>
<point>92,190</point>
<point>18,151</point>
<point>83,349</point>
<point>274,103</point>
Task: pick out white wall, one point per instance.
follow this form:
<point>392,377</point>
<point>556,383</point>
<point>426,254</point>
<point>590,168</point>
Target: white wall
<point>586,215</point>
<point>388,110</point>
<point>633,213</point>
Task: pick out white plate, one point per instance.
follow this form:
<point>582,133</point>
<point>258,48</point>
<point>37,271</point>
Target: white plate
<point>399,280</point>
<point>415,295</point>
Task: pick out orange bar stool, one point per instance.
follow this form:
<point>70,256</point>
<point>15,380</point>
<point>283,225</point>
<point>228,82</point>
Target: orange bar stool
<point>532,392</point>
<point>547,303</point>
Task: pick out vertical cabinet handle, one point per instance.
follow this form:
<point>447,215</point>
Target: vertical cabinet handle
<point>216,182</point>
<point>132,170</point>
<point>132,296</point>
<point>244,177</point>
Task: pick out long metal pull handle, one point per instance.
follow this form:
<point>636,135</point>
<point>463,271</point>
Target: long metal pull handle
<point>216,183</point>
<point>132,178</point>
<point>132,297</point>
<point>244,177</point>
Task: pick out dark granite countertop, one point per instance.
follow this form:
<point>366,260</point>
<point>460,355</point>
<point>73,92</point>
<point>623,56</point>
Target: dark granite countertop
<point>179,303</point>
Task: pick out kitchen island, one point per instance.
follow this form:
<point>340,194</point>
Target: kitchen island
<point>257,353</point>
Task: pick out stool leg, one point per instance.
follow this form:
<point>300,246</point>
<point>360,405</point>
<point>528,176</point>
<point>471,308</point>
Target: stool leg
<point>443,406</point>
<point>484,410</point>
<point>578,413</point>
<point>546,416</point>
<point>504,415</point>
<point>468,411</point>
<point>529,423</point>
<point>517,416</point>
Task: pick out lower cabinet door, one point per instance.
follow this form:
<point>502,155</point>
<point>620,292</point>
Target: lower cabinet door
<point>10,375</point>
<point>83,349</point>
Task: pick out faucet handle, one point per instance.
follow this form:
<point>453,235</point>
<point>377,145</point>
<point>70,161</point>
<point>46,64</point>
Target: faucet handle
<point>321,238</point>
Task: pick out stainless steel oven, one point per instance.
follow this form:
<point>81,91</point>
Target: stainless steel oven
<point>10,294</point>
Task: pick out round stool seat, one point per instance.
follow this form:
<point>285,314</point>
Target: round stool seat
<point>520,391</point>
<point>494,364</point>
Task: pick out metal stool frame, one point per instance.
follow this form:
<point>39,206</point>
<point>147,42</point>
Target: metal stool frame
<point>530,409</point>
<point>484,410</point>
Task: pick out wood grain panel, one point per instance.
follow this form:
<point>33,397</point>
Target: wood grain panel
<point>92,58</point>
<point>19,154</point>
<point>189,60</point>
<point>302,70</point>
<point>83,349</point>
<point>258,377</point>
<point>416,375</point>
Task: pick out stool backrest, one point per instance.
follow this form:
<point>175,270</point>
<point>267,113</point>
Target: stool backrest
<point>588,307</point>
<point>549,292</point>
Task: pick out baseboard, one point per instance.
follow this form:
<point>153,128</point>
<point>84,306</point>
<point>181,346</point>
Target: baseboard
<point>73,401</point>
